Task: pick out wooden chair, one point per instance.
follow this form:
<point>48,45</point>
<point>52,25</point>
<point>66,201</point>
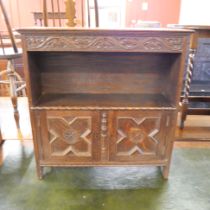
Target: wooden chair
<point>96,11</point>
<point>14,80</point>
<point>53,15</point>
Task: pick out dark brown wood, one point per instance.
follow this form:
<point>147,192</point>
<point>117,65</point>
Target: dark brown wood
<point>198,111</point>
<point>70,136</point>
<point>104,97</point>
<point>107,100</point>
<point>188,81</point>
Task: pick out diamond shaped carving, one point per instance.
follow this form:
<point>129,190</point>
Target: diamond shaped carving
<point>70,136</point>
<point>137,136</point>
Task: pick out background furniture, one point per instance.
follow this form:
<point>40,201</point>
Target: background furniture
<point>60,13</point>
<point>196,96</point>
<point>146,24</point>
<point>14,81</point>
<point>96,13</point>
<point>97,97</point>
<point>38,17</point>
<point>52,14</point>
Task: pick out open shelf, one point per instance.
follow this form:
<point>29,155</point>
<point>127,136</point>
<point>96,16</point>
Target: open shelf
<point>108,79</point>
<point>104,100</point>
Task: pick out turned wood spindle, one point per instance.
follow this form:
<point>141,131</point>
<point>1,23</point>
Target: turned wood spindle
<point>188,81</point>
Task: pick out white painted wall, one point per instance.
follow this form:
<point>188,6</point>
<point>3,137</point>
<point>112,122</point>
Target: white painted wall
<point>195,12</point>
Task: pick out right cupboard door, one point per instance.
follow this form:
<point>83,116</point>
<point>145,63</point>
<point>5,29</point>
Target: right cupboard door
<point>139,135</point>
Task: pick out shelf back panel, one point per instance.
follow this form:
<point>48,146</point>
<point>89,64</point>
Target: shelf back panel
<point>103,73</point>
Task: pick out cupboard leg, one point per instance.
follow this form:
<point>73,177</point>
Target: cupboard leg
<point>40,172</point>
<point>165,171</point>
<point>183,117</point>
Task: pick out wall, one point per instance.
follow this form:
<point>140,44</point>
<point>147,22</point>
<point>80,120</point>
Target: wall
<point>195,12</point>
<point>20,12</point>
<point>163,11</point>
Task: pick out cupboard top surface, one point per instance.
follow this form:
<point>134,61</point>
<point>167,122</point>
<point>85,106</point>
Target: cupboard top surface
<point>101,30</point>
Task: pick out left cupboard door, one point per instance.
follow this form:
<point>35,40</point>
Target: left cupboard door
<point>68,137</point>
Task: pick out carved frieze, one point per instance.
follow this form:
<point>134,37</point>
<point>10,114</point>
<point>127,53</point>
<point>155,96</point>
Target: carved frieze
<point>104,43</point>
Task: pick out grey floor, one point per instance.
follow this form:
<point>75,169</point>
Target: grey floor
<point>121,188</point>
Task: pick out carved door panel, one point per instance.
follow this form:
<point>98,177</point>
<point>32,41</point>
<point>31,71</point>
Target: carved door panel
<point>70,136</point>
<point>138,135</point>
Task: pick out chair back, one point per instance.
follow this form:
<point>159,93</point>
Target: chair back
<point>96,13</point>
<point>9,30</point>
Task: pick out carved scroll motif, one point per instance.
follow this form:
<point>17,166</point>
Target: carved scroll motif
<point>104,43</point>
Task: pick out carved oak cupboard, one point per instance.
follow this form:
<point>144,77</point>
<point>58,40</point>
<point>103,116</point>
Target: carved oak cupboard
<point>103,97</point>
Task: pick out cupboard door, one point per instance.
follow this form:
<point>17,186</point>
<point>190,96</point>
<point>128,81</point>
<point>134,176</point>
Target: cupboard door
<point>70,136</point>
<point>138,135</point>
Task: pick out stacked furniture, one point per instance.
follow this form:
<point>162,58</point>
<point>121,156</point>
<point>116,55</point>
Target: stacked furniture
<point>104,97</point>
<point>196,94</point>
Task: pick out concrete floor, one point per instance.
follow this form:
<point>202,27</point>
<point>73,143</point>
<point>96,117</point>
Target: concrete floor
<point>121,188</point>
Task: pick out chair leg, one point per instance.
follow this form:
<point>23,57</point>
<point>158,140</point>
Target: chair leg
<point>188,81</point>
<point>16,112</point>
<point>13,93</point>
